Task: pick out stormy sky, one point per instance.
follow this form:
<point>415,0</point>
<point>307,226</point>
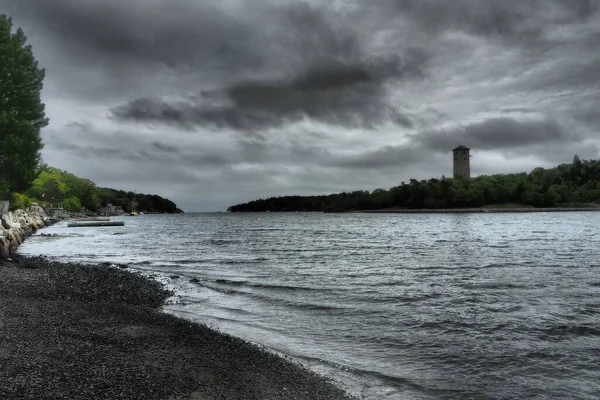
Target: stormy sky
<point>213,103</point>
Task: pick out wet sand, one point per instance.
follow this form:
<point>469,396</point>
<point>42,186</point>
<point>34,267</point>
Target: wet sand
<point>97,332</point>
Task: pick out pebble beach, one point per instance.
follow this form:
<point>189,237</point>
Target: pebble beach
<point>71,331</point>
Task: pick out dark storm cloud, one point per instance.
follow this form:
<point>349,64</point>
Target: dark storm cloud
<point>345,95</point>
<point>176,34</point>
<point>334,80</point>
<point>235,51</point>
<point>499,133</point>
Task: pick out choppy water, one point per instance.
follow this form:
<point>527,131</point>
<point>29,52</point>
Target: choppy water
<point>392,306</point>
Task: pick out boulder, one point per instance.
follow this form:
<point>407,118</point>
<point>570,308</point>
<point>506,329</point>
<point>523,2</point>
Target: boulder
<point>4,248</point>
<point>16,225</point>
<point>5,221</point>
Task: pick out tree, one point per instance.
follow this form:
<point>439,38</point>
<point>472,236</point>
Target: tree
<point>520,193</point>
<point>576,169</point>
<point>21,110</point>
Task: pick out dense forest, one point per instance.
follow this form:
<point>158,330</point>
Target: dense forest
<point>55,186</point>
<point>567,185</point>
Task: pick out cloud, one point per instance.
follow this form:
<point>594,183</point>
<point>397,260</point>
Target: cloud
<point>178,35</point>
<point>261,98</point>
<point>499,133</point>
<point>524,22</point>
<point>165,147</point>
<point>338,94</point>
<point>385,157</point>
<point>333,79</point>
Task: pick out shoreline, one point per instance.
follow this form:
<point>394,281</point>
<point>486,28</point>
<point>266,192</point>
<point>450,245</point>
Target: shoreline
<point>79,331</point>
<point>482,210</point>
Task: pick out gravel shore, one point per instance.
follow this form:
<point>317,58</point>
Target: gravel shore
<point>97,332</point>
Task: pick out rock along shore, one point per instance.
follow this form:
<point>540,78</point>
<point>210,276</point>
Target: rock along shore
<point>73,332</point>
<point>17,225</point>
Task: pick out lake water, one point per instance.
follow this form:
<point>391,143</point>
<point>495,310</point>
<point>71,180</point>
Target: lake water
<point>391,306</point>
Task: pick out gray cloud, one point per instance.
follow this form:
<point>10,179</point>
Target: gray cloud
<point>569,74</point>
<point>262,98</point>
<point>307,64</point>
<point>165,147</point>
<point>179,35</point>
<point>522,22</point>
<point>334,80</point>
<point>499,133</point>
<point>385,157</point>
<point>133,149</point>
<point>346,95</point>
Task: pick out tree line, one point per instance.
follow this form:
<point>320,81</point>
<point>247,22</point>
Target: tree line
<point>22,114</point>
<point>54,186</point>
<point>567,185</point>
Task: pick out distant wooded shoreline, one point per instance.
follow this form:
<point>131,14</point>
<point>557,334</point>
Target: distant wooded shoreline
<point>566,187</point>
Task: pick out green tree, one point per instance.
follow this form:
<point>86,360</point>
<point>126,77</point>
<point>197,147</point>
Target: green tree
<point>72,204</point>
<point>520,193</point>
<point>21,110</point>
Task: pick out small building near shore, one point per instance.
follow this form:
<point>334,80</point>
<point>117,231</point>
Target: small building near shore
<point>462,164</point>
<point>55,210</point>
<point>111,210</point>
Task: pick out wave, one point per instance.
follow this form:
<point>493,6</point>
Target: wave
<point>399,383</point>
<point>204,261</point>
<point>505,309</point>
<point>566,331</point>
<point>49,236</point>
<point>231,289</point>
<point>543,355</point>
<point>265,285</point>
<point>245,261</point>
<point>499,286</point>
<point>405,298</point>
<point>386,283</point>
<point>224,242</point>
<point>446,325</point>
<point>589,309</point>
<point>457,267</point>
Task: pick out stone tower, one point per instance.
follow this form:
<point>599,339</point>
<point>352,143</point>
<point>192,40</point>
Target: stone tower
<point>462,166</point>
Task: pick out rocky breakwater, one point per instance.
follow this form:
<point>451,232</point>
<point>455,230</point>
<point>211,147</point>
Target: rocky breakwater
<point>16,225</point>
